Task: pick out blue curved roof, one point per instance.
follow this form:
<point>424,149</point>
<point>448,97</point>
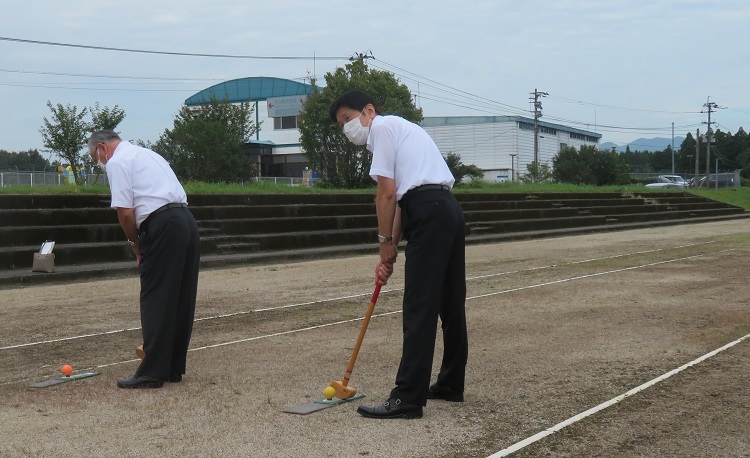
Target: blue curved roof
<point>250,89</point>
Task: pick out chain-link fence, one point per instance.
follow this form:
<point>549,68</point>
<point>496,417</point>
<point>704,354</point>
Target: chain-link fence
<point>44,179</point>
<point>713,180</point>
<point>56,179</point>
<point>291,181</point>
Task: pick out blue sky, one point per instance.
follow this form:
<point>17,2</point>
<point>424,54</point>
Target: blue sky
<point>625,69</point>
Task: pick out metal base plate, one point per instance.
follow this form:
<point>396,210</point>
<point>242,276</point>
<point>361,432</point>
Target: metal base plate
<point>320,404</point>
<point>59,380</point>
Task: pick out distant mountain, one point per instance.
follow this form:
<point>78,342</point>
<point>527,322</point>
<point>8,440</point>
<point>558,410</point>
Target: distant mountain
<point>645,144</point>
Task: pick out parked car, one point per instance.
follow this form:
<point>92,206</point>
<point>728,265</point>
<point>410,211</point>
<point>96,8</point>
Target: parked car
<point>668,182</point>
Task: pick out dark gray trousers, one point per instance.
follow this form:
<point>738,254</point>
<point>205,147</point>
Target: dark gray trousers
<point>170,250</point>
<point>433,223</point>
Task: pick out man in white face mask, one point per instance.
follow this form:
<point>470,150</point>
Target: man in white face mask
<point>414,199</point>
<point>355,131</point>
<point>152,210</point>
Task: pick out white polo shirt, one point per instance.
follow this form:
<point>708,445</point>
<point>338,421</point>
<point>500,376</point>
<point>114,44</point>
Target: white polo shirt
<point>405,152</point>
<point>142,180</point>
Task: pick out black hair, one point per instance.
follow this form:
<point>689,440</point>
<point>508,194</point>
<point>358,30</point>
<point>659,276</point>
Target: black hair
<point>356,100</point>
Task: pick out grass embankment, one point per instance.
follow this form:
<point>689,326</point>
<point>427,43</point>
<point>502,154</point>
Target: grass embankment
<point>739,196</point>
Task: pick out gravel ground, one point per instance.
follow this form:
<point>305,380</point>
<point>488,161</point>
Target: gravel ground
<point>556,327</point>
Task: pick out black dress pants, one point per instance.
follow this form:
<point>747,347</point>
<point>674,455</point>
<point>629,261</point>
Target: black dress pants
<point>433,223</point>
<point>170,258</point>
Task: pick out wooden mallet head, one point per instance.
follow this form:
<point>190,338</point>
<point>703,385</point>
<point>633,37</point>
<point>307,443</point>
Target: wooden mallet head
<point>343,391</point>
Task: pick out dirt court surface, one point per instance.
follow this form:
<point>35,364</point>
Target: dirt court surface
<point>556,327</point>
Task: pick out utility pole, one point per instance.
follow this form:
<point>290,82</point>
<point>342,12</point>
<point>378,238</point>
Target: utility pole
<point>716,181</point>
<point>513,167</point>
<point>537,114</point>
<point>697,155</point>
<point>710,107</point>
<point>361,56</point>
<point>672,148</point>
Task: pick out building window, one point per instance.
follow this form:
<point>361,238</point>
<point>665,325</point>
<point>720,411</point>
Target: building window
<point>563,146</point>
<point>285,122</point>
<point>548,130</point>
<point>585,138</point>
<point>528,126</point>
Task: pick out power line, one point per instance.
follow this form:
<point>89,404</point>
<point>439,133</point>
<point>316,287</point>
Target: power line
<point>482,110</point>
<point>32,72</point>
<point>620,108</point>
<point>96,88</point>
<point>466,103</point>
<point>738,111</point>
<point>170,53</point>
<point>454,89</point>
<point>479,103</point>
<point>141,83</point>
<point>472,100</point>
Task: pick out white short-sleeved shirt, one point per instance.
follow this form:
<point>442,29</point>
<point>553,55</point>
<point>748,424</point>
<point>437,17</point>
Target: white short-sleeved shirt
<point>142,180</point>
<point>405,152</point>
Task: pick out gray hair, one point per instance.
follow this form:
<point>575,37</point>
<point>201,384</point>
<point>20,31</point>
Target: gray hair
<point>102,136</point>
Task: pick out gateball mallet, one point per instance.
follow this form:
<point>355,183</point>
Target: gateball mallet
<point>343,390</point>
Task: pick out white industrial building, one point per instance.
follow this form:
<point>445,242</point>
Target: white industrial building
<point>499,145</point>
<point>277,103</point>
<point>502,145</point>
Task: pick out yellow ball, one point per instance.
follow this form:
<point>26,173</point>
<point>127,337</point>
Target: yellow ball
<point>329,392</point>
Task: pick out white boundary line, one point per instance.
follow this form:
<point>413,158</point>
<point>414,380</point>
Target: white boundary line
<point>564,280</point>
<point>321,301</point>
<point>293,331</point>
<point>538,436</point>
<point>387,313</point>
<point>265,336</point>
<point>570,263</point>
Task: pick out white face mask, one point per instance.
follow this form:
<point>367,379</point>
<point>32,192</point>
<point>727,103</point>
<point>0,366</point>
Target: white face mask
<point>99,162</point>
<point>355,131</point>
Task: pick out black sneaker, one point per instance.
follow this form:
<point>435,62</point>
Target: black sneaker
<point>445,393</point>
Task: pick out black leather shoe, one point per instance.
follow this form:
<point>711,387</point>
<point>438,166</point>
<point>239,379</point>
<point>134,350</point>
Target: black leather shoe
<point>445,393</point>
<point>175,378</point>
<point>141,381</point>
<point>392,408</point>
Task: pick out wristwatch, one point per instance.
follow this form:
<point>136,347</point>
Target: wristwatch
<point>384,239</point>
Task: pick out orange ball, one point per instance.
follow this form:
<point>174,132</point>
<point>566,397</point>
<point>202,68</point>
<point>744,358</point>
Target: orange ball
<point>67,370</point>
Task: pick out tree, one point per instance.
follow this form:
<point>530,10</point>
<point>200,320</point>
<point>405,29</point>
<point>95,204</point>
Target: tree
<point>24,160</point>
<point>639,161</point>
<point>590,166</point>
<point>662,160</point>
<point>460,171</point>
<point>686,152</point>
<point>537,173</point>
<point>742,141</point>
<point>66,134</point>
<point>338,162</point>
<point>568,168</point>
<point>106,118</point>
<point>207,144</point>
